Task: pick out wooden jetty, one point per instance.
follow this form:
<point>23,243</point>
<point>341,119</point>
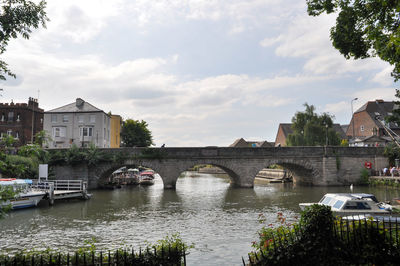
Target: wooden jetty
<point>62,189</point>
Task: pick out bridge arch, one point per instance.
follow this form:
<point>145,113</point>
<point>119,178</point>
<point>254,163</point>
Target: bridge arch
<point>302,170</point>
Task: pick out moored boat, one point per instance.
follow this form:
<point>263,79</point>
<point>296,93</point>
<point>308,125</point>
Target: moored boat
<point>344,204</point>
<point>146,178</point>
<point>25,196</point>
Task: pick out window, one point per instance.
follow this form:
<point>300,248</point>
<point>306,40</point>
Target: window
<point>80,119</point>
<point>92,118</point>
<point>3,117</point>
<point>86,131</point>
<point>104,133</point>
<point>9,132</point>
<point>338,204</point>
<point>11,116</point>
<point>1,134</point>
<point>18,117</point>
<point>54,118</point>
<point>362,128</point>
<point>17,135</point>
<point>65,118</point>
<point>59,132</point>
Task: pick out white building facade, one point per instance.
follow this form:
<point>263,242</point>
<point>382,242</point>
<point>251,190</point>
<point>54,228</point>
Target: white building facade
<point>78,123</point>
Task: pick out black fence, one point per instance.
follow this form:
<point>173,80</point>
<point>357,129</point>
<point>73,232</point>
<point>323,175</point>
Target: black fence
<point>149,256</point>
<point>355,240</point>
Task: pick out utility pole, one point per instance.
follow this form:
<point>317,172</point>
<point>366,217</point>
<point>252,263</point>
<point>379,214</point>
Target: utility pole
<point>352,115</point>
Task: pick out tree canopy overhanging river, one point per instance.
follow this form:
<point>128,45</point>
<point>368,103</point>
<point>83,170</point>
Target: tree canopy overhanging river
<point>220,220</point>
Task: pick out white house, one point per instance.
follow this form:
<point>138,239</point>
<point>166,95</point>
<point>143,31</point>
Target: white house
<point>78,123</point>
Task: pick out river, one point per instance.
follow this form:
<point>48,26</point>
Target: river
<point>221,221</point>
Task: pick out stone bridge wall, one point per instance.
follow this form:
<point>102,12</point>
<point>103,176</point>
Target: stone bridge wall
<point>309,165</point>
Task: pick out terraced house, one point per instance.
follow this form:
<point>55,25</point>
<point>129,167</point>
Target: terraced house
<point>78,123</point>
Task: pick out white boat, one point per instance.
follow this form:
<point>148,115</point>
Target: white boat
<point>146,178</point>
<point>25,196</point>
<point>344,204</point>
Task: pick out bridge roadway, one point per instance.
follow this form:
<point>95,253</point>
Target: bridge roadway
<point>321,166</point>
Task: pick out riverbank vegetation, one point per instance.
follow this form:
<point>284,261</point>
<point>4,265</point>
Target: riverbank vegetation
<point>170,250</point>
<point>319,238</point>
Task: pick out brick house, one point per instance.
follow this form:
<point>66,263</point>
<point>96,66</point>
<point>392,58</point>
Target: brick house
<point>19,119</point>
<point>365,120</point>
<point>285,129</point>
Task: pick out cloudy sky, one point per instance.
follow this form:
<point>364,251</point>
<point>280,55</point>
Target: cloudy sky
<point>200,72</point>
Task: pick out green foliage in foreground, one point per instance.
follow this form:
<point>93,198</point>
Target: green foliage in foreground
<point>321,239</point>
<point>168,251</point>
<point>6,193</point>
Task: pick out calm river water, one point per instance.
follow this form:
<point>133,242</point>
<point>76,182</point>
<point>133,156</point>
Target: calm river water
<point>220,220</point>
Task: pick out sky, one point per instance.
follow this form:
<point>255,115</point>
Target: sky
<point>199,72</point>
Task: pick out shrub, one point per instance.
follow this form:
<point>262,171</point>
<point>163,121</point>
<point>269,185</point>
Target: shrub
<point>321,239</point>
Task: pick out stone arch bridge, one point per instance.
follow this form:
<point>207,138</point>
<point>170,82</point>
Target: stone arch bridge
<point>320,166</point>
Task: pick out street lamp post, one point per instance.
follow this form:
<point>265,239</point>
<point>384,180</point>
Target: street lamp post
<point>326,135</point>
<point>352,115</point>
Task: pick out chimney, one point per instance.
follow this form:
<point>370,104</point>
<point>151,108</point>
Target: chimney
<point>79,102</point>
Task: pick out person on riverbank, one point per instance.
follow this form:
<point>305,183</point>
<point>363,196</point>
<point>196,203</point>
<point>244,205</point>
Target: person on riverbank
<point>385,171</point>
<point>392,170</point>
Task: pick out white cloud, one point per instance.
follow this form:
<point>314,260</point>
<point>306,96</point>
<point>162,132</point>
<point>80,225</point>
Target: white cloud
<point>384,77</point>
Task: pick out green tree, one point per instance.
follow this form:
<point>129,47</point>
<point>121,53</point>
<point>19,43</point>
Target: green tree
<point>18,18</point>
<point>135,133</point>
<point>364,28</point>
<point>42,138</point>
<point>311,129</point>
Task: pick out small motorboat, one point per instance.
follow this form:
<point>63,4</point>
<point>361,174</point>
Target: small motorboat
<point>344,204</point>
<point>25,196</point>
<point>146,178</point>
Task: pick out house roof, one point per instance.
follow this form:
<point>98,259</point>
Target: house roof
<point>286,128</point>
<point>373,138</point>
<point>379,108</point>
<point>79,106</point>
<point>243,143</point>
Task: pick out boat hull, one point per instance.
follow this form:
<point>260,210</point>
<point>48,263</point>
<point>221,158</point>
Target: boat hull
<point>25,200</point>
<point>146,182</point>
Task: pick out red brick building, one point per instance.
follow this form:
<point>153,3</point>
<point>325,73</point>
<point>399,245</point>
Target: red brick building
<point>18,120</point>
<point>365,120</point>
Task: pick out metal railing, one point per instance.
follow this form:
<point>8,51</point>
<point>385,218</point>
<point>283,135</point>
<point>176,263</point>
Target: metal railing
<point>60,184</point>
